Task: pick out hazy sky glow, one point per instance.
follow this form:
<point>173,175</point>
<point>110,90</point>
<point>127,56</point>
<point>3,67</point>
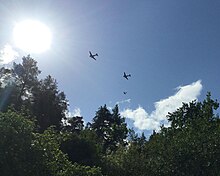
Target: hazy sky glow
<point>162,44</point>
<point>7,54</point>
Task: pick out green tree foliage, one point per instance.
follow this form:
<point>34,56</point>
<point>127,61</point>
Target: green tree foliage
<point>110,128</point>
<point>26,75</point>
<point>128,160</point>
<point>49,104</point>
<point>18,83</point>
<point>17,154</point>
<point>192,140</point>
<point>55,160</point>
<point>24,153</point>
<point>73,124</point>
<point>190,146</point>
<point>9,91</point>
<point>21,88</point>
<point>83,148</point>
<point>8,96</point>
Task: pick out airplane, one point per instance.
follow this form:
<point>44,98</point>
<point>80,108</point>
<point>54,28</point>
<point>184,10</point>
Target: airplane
<point>92,55</point>
<point>126,75</point>
<point>125,93</point>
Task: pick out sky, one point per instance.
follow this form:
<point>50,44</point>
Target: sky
<point>171,49</point>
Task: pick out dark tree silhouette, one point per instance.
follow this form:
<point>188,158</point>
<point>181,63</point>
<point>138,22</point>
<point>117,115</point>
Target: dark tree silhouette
<point>18,83</point>
<point>21,88</point>
<point>73,124</point>
<point>110,128</point>
<point>49,104</point>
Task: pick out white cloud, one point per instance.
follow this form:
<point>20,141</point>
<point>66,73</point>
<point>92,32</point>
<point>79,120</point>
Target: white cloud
<point>141,118</point>
<point>124,101</point>
<point>75,112</point>
<point>7,54</point>
<point>145,121</point>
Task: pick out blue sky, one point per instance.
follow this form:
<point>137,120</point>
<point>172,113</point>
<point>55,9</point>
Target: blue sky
<point>171,48</point>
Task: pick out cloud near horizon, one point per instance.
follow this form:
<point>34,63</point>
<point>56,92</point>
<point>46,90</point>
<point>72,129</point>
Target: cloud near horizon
<point>7,54</point>
<point>145,121</point>
<point>74,113</point>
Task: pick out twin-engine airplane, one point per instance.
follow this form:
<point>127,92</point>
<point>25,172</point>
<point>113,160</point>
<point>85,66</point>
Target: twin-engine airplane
<point>92,55</point>
<point>126,75</point>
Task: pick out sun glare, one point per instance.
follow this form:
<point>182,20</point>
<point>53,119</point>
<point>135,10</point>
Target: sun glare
<point>32,36</point>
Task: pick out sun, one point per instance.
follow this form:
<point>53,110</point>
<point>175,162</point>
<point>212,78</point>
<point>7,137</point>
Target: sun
<point>32,36</point>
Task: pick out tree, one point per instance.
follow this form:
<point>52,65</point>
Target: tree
<point>21,88</point>
<point>110,128</point>
<point>49,104</point>
<point>8,96</point>
<point>190,145</point>
<point>83,148</point>
<point>17,154</point>
<point>17,84</point>
<point>56,162</point>
<point>24,152</point>
<point>26,76</point>
<point>127,160</point>
<point>73,124</point>
<point>118,128</point>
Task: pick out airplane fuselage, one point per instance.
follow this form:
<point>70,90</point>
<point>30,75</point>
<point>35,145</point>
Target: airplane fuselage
<point>126,75</point>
